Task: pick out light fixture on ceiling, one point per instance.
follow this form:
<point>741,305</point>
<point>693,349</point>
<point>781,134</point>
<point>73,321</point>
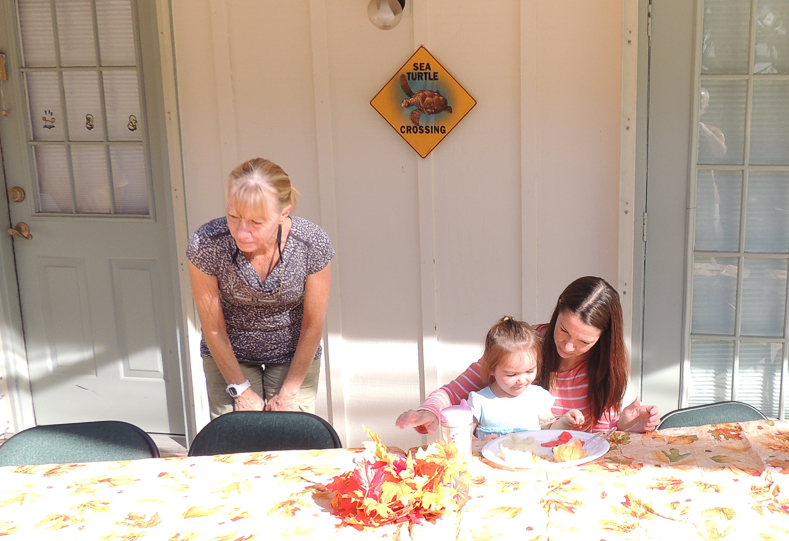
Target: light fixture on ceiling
<point>385,14</point>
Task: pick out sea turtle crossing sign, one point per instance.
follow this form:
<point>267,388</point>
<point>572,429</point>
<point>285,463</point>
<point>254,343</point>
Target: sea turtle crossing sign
<point>423,102</point>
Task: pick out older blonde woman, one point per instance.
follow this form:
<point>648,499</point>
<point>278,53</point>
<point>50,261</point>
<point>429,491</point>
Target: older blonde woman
<point>260,280</point>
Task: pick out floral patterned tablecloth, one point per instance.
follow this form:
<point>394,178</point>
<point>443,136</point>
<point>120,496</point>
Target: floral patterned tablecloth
<point>727,481</point>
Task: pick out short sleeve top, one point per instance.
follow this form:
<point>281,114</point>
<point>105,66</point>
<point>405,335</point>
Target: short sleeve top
<point>502,416</point>
<point>263,319</point>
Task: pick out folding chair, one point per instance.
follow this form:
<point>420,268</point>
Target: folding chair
<point>255,431</point>
<point>68,443</point>
<point>708,414</point>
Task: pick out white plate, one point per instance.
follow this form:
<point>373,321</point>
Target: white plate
<point>597,448</point>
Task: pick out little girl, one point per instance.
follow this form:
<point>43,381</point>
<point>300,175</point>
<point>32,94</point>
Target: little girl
<point>513,357</point>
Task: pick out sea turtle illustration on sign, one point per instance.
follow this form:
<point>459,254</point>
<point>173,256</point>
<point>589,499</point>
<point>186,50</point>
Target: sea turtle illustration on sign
<point>429,102</point>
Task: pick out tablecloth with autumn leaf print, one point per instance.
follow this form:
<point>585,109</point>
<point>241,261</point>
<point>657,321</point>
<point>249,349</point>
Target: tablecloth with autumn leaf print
<point>716,482</point>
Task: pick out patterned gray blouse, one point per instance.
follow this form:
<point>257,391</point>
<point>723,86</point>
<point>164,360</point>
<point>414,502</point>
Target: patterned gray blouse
<point>263,318</point>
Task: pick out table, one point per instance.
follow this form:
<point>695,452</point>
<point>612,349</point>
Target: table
<point>712,482</point>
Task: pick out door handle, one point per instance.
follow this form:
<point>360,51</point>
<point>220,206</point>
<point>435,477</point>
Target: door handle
<point>21,230</point>
<point>16,194</point>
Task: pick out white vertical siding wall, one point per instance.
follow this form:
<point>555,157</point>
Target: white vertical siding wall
<point>521,198</point>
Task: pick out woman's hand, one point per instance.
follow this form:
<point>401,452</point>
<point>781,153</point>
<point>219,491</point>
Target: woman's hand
<point>423,421</point>
<point>638,418</point>
<point>249,400</point>
<point>283,402</point>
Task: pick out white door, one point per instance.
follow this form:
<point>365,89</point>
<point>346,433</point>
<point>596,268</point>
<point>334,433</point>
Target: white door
<point>717,205</point>
<point>82,139</point>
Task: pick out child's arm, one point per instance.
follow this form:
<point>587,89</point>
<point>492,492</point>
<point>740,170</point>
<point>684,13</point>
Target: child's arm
<point>570,420</point>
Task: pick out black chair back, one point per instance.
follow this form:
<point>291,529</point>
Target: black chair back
<point>68,443</point>
<point>709,414</point>
<point>257,431</point>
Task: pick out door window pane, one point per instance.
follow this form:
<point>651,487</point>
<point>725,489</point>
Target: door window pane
<point>122,96</point>
<point>75,32</point>
<point>711,363</point>
<point>38,41</point>
<point>46,114</point>
<point>116,33</point>
<point>759,376</point>
<point>763,297</point>
<point>91,180</point>
<point>83,103</point>
<point>714,295</point>
<point>767,216</point>
<point>770,123</point>
<point>722,122</point>
<point>129,179</point>
<point>725,41</point>
<point>54,184</point>
<point>718,202</point>
<point>772,38</point>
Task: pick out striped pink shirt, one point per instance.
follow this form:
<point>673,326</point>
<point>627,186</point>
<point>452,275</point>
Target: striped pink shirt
<point>570,392</point>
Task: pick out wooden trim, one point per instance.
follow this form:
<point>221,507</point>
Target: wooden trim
<point>627,172</point>
<point>223,79</point>
<point>194,397</point>
<point>332,335</point>
<point>531,310</point>
<point>428,346</point>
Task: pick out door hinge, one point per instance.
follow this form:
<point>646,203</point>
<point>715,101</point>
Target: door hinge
<point>644,228</point>
<point>649,22</point>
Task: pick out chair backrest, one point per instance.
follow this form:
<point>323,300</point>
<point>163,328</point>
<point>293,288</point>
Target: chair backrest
<point>257,431</point>
<point>708,414</point>
<point>68,443</point>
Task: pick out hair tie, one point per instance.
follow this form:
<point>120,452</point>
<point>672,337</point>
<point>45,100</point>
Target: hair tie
<point>506,318</point>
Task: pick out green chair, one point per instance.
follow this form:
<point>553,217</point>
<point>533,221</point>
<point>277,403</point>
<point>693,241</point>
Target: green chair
<point>69,443</point>
<point>257,431</point>
<point>710,414</point>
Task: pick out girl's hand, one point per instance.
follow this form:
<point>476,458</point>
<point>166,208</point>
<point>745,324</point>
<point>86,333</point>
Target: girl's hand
<point>575,418</point>
<point>423,421</point>
<point>638,418</point>
<point>249,400</point>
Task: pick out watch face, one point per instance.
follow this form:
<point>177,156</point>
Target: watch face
<point>232,392</point>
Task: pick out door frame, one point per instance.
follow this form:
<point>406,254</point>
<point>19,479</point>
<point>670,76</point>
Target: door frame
<point>12,344</point>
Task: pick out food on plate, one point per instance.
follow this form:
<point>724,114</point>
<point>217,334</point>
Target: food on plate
<point>520,451</point>
<point>563,438</point>
<point>516,450</point>
<point>569,451</point>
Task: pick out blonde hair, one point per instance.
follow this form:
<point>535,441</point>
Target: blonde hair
<point>508,336</point>
<point>251,184</point>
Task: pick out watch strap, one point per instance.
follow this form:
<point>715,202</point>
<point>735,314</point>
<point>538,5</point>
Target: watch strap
<point>236,389</point>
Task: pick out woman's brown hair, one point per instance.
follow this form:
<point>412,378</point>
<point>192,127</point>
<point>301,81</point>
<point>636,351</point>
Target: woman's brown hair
<point>509,336</point>
<point>595,303</point>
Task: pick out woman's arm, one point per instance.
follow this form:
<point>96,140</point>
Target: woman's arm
<point>425,418</point>
<point>205,290</point>
<point>316,302</point>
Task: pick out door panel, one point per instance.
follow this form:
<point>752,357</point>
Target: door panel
<point>95,279</point>
<point>668,159</point>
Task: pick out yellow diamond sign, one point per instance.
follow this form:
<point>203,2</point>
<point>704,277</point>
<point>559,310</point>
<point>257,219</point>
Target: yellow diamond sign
<point>423,102</point>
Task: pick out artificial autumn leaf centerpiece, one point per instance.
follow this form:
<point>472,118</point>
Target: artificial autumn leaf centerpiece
<point>392,489</point>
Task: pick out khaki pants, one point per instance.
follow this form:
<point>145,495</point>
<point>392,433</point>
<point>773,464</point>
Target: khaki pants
<point>266,381</point>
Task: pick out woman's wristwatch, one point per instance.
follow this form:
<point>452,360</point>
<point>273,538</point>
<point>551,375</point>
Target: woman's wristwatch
<point>235,389</point>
